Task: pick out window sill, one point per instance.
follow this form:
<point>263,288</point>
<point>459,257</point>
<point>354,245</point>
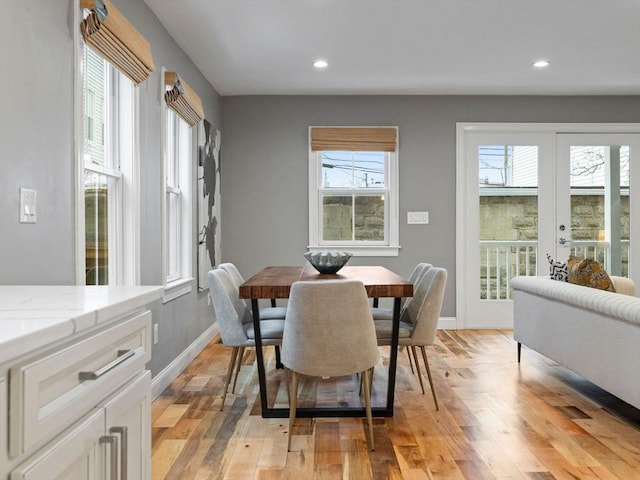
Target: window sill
<point>176,289</point>
<point>360,251</point>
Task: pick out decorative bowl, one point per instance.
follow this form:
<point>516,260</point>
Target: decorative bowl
<point>328,261</point>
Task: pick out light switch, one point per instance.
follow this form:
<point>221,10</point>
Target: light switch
<point>27,205</point>
<point>417,217</point>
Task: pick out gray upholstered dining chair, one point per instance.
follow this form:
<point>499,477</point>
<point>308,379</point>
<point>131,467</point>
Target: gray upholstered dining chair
<point>237,278</point>
<point>235,323</point>
<point>419,320</point>
<point>329,331</point>
<point>266,313</point>
<point>387,313</point>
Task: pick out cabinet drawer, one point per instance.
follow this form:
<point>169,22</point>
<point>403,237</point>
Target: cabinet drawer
<point>50,393</point>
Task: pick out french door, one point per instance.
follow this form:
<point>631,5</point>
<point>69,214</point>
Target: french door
<point>525,191</point>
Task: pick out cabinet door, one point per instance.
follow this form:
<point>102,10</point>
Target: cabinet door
<point>73,455</point>
<point>128,418</point>
<point>4,418</point>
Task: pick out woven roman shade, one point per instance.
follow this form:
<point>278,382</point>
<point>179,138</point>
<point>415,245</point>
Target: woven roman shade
<point>364,139</point>
<point>181,98</point>
<point>113,37</point>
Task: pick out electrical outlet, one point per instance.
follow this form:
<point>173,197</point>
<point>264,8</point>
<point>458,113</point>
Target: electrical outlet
<point>155,333</point>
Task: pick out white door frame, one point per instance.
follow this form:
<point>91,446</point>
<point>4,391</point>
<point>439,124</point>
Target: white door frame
<point>467,184</point>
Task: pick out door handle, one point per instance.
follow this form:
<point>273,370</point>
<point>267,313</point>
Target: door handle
<point>563,241</point>
<point>123,355</point>
<point>124,450</point>
<point>112,441</point>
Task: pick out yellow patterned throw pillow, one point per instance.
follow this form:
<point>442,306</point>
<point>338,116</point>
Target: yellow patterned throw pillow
<point>588,272</point>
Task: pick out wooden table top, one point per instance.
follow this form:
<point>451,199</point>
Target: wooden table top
<point>275,282</point>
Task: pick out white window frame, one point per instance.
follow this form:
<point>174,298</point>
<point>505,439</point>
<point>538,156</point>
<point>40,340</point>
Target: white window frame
<point>122,148</point>
<point>388,248</point>
<point>178,151</point>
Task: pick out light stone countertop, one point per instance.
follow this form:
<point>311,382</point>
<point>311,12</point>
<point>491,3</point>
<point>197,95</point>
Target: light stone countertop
<point>32,317</point>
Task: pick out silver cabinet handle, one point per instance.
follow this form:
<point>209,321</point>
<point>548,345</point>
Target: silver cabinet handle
<point>123,355</point>
<point>112,440</point>
<point>124,449</point>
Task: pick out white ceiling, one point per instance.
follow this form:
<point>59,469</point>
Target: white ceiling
<point>253,47</point>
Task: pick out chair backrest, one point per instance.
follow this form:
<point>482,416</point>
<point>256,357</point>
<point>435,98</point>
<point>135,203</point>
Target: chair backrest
<point>329,329</point>
<point>230,311</point>
<point>234,273</point>
<point>424,309</point>
<point>419,270</point>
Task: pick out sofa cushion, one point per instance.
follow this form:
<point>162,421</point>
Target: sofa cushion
<point>588,272</point>
<point>623,285</point>
<point>558,270</point>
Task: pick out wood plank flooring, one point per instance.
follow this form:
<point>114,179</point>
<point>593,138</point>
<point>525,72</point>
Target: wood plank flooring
<point>497,420</point>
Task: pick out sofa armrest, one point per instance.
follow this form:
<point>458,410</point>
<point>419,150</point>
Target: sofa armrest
<point>614,305</point>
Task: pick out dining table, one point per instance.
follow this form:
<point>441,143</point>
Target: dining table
<point>274,282</point>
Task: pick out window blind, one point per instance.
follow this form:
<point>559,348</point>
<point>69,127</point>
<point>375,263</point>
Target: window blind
<point>369,139</point>
<point>181,98</point>
<point>113,37</point>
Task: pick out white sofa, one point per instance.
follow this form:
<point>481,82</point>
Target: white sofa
<point>592,332</point>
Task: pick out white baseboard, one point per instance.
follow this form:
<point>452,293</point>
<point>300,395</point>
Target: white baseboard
<point>163,379</point>
<point>447,323</point>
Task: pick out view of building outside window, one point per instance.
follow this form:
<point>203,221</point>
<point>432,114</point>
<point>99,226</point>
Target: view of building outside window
<point>96,185</point>
<point>353,189</point>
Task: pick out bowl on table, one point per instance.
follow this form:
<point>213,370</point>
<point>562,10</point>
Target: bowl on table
<point>328,261</point>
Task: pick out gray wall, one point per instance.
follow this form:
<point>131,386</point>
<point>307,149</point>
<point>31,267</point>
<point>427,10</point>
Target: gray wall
<point>36,151</point>
<point>264,166</point>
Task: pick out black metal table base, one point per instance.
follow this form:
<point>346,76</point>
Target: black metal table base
<point>327,412</point>
<point>386,411</point>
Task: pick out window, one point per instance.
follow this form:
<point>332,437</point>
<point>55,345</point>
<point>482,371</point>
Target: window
<point>108,165</point>
<point>177,204</point>
<point>353,190</point>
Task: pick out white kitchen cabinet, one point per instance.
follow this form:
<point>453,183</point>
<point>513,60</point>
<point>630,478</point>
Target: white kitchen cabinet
<point>77,404</point>
<point>4,418</point>
<point>111,443</point>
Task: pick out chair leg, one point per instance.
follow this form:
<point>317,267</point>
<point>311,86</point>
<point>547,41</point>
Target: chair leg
<point>279,364</point>
<point>415,361</point>
<point>367,404</point>
<point>371,370</point>
<point>232,362</point>
<point>287,374</point>
<point>410,360</point>
<point>293,405</point>
<point>238,365</point>
<point>370,373</point>
<point>426,364</point>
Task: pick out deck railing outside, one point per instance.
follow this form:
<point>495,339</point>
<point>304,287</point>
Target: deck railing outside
<point>500,261</point>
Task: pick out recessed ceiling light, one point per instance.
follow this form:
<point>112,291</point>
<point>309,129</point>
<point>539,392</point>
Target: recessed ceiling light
<point>541,64</point>
<point>320,64</point>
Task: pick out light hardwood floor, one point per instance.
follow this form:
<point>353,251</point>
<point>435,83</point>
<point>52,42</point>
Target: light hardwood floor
<point>497,420</point>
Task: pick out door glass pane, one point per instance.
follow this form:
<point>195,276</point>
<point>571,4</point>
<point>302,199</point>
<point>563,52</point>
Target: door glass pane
<point>600,205</point>
<point>508,188</point>
<point>96,211</point>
